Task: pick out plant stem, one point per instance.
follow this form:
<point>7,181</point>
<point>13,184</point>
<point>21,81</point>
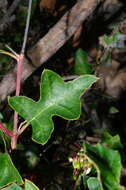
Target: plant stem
<point>6,131</point>
<point>27,27</point>
<point>18,80</point>
<point>18,87</point>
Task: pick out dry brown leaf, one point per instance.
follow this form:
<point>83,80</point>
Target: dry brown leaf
<point>112,79</point>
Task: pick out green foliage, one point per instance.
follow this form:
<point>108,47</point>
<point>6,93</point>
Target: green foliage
<point>8,172</point>
<point>1,116</point>
<point>95,167</point>
<point>30,186</point>
<point>99,166</point>
<point>10,178</point>
<point>115,40</point>
<point>100,161</point>
<point>27,186</point>
<point>56,98</point>
<point>12,187</point>
<point>113,110</point>
<point>94,184</point>
<point>32,159</point>
<point>109,40</point>
<point>111,141</point>
<point>108,162</point>
<point>4,139</point>
<point>81,65</point>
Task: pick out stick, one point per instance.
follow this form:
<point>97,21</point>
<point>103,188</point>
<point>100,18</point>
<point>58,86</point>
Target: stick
<point>61,32</point>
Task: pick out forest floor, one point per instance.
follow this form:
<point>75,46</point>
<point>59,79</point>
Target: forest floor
<point>102,36</point>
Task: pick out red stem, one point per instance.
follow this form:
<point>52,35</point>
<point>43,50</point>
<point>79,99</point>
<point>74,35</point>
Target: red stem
<point>6,131</point>
<point>18,81</point>
<point>18,87</point>
<point>19,73</point>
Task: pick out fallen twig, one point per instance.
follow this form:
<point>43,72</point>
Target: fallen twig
<point>61,32</point>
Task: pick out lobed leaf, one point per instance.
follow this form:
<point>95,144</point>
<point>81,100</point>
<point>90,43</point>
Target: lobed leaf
<point>27,186</point>
<point>12,187</point>
<point>8,172</point>
<point>109,163</point>
<point>56,98</point>
<point>30,186</point>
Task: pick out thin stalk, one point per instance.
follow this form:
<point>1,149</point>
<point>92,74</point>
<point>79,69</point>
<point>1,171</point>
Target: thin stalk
<point>19,73</point>
<point>22,129</point>
<point>11,50</point>
<point>6,131</point>
<point>27,27</point>
<point>18,87</point>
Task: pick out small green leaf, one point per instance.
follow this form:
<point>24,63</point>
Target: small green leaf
<point>115,40</point>
<point>27,186</point>
<point>109,40</point>
<point>109,163</point>
<point>94,184</point>
<point>30,186</point>
<point>8,172</point>
<point>81,63</point>
<point>112,141</point>
<point>113,110</point>
<point>12,187</point>
<point>1,116</point>
<point>32,159</point>
<point>56,98</point>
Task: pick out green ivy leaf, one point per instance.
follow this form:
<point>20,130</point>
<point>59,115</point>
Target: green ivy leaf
<point>109,163</point>
<point>12,187</point>
<point>113,110</point>
<point>81,65</point>
<point>56,98</point>
<point>8,172</point>
<point>94,184</point>
<point>111,141</point>
<point>30,186</point>
<point>27,186</point>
